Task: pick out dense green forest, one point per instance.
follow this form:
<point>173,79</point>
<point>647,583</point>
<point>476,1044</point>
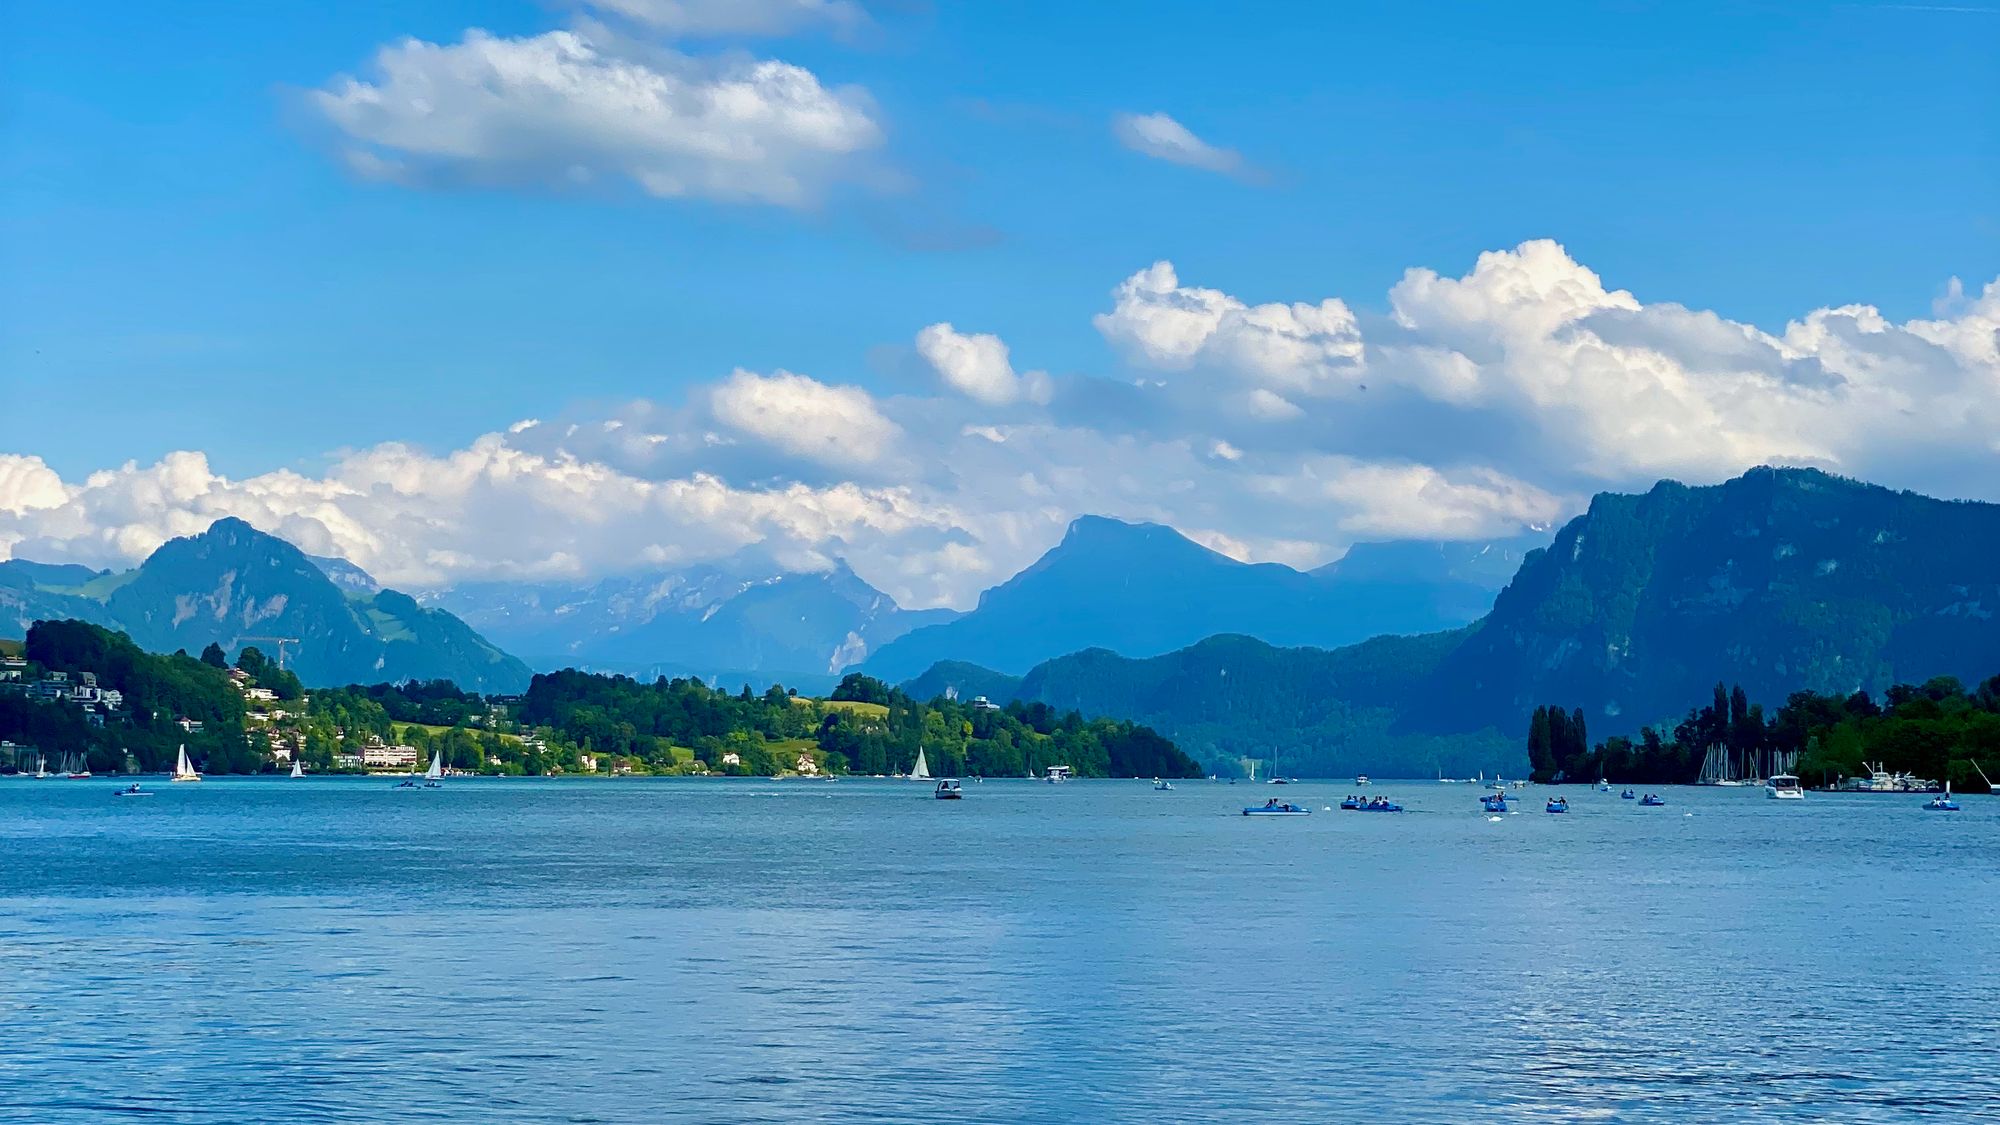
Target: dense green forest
<point>866,727</point>
<point>567,722</point>
<point>1936,730</point>
<point>159,690</point>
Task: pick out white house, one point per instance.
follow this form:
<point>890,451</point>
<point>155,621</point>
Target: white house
<point>388,757</point>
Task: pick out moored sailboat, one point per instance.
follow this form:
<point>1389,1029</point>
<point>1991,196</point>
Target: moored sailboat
<point>1990,787</point>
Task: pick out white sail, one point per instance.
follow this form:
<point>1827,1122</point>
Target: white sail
<point>184,769</point>
<point>920,771</point>
<point>298,770</point>
<point>436,771</point>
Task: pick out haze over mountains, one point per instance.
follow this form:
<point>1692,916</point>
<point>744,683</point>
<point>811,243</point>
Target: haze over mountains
<point>731,622</point>
<point>1143,589</point>
<point>1782,580</point>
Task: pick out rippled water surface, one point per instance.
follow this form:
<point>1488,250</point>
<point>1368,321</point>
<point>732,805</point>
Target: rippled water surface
<point>639,951</point>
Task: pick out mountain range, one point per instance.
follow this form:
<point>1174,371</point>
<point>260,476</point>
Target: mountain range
<point>1143,589</point>
<point>1780,580</point>
<point>235,586</point>
<point>731,622</point>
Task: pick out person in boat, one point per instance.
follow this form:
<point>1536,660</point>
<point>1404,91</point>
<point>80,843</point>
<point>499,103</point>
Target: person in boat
<point>1271,804</point>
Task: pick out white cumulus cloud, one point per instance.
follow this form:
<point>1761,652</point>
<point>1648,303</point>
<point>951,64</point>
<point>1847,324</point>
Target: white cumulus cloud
<point>977,365</point>
<point>579,106</point>
<point>835,425</point>
<point>1306,348</point>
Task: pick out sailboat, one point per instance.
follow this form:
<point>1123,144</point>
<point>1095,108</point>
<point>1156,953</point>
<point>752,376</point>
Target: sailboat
<point>922,770</point>
<point>1990,787</point>
<point>41,767</point>
<point>76,766</point>
<point>298,769</point>
<point>184,769</point>
<point>434,776</point>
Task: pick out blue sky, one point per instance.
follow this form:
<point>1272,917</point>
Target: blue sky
<point>189,263</point>
<point>174,221</point>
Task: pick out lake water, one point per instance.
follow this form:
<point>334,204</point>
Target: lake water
<point>334,950</point>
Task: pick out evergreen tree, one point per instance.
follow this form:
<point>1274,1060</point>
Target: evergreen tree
<point>214,657</point>
<point>1541,750</point>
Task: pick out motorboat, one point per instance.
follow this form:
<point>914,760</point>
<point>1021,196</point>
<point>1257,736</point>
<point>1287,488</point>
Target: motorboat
<point>1942,802</point>
<point>1057,775</point>
<point>1162,785</point>
<point>1275,807</point>
<point>1603,786</point>
<point>949,790</point>
<point>1652,800</point>
<point>1627,795</point>
<point>1557,805</point>
<point>1361,779</point>
<point>1784,787</point>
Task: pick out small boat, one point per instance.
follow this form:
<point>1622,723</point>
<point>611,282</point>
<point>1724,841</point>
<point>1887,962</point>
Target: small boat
<point>1493,804</point>
<point>298,770</point>
<point>1784,787</point>
<point>1603,786</point>
<point>1652,800</point>
<point>922,770</point>
<point>1942,802</point>
<point>434,776</point>
<point>1627,795</point>
<point>76,767</point>
<point>1361,779</point>
<point>184,769</point>
<point>1162,785</point>
<point>1557,805</point>
<point>1273,807</point>
<point>1379,804</point>
<point>1056,775</point>
<point>131,790</point>
<point>948,790</point>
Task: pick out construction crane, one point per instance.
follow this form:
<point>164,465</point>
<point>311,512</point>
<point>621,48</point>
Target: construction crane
<point>281,642</point>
